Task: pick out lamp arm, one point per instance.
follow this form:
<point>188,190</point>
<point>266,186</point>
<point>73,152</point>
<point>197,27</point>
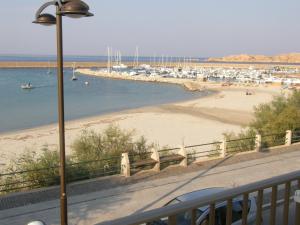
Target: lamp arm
<point>54,2</point>
<point>41,9</point>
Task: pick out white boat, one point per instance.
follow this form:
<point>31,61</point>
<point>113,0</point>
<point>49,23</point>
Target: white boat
<point>133,73</point>
<point>26,86</point>
<point>49,70</point>
<point>74,78</point>
<point>120,66</point>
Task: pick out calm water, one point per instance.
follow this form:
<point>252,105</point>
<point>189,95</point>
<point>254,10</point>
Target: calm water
<point>20,109</point>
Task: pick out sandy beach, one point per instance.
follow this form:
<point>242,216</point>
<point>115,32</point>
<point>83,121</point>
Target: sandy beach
<point>193,122</point>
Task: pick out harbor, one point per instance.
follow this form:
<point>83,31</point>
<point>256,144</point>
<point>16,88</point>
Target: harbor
<point>197,77</point>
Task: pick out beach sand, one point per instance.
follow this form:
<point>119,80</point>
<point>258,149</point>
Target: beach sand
<point>193,122</point>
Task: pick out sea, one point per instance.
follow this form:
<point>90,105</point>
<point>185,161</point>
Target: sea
<point>22,109</point>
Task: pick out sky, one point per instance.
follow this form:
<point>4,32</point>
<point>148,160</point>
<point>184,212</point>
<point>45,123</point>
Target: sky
<point>192,28</point>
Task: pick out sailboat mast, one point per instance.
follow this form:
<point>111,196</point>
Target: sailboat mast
<point>73,69</point>
<point>108,59</point>
<point>136,60</point>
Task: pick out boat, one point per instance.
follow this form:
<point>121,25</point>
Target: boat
<point>119,65</point>
<point>27,86</point>
<point>49,70</point>
<point>74,78</point>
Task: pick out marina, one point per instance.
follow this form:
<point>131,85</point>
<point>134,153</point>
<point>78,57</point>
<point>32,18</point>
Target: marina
<point>185,69</point>
<point>273,75</point>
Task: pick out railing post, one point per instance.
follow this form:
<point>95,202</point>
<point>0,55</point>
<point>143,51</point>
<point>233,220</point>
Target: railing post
<point>172,220</point>
<point>258,143</point>
<point>155,156</point>
<point>182,152</point>
<point>259,209</point>
<point>125,165</point>
<point>224,148</point>
<point>286,206</point>
<point>288,138</point>
<point>273,205</point>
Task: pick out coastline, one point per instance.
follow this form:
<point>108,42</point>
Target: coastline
<point>87,118</point>
<point>95,117</point>
<point>186,83</point>
<point>195,121</point>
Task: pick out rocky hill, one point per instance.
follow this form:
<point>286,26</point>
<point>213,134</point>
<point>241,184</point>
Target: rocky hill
<point>284,58</point>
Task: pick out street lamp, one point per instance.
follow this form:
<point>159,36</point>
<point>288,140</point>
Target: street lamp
<point>73,9</point>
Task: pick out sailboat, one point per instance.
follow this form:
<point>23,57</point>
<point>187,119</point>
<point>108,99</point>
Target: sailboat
<point>74,78</point>
<point>119,65</point>
<point>109,52</point>
<point>27,86</point>
<point>49,70</point>
<point>136,58</point>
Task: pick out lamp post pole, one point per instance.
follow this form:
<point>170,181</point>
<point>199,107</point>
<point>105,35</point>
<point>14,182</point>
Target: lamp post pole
<point>73,9</point>
<point>61,120</point>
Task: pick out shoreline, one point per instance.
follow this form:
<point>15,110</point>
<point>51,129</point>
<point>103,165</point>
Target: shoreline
<point>213,88</point>
<point>194,121</point>
<point>185,83</point>
<point>94,117</point>
<point>114,113</point>
<point>193,85</point>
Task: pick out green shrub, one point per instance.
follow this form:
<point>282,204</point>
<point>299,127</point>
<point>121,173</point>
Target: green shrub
<point>31,170</point>
<point>244,141</point>
<point>94,154</point>
<point>103,150</point>
<point>271,120</point>
<point>282,114</point>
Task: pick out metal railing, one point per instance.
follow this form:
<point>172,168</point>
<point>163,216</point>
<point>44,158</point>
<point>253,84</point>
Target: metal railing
<point>274,139</point>
<point>296,136</point>
<point>240,145</point>
<point>203,151</point>
<point>258,189</point>
<point>45,177</point>
<point>49,176</point>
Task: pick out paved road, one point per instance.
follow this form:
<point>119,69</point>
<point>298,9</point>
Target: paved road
<point>124,200</point>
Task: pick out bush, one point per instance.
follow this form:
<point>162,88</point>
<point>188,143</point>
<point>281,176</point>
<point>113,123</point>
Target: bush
<point>244,141</point>
<point>282,114</point>
<point>271,120</point>
<point>103,150</point>
<point>31,170</point>
<point>94,154</point>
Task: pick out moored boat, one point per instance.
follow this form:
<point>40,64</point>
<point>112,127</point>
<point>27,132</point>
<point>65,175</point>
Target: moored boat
<point>27,86</point>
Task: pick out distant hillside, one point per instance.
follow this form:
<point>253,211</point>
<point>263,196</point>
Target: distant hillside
<point>285,58</point>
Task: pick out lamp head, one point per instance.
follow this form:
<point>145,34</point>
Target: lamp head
<point>45,19</point>
<point>75,9</point>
